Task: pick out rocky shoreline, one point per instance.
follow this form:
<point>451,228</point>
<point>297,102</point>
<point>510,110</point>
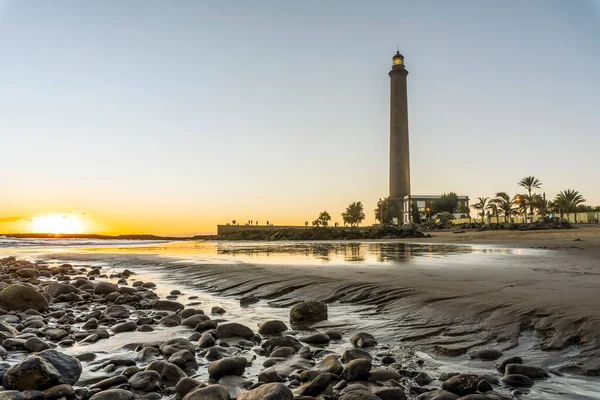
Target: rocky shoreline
<point>46,310</point>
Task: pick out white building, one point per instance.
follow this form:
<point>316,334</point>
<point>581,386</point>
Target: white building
<point>423,205</point>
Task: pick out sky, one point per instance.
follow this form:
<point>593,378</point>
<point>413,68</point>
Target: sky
<point>170,117</point>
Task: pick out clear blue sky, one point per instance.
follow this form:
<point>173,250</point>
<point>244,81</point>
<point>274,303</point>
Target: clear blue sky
<point>170,116</point>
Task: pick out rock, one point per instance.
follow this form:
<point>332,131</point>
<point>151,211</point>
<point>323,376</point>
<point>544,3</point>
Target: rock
<point>390,393</point>
<point>333,334</point>
<point>484,386</point>
<point>104,288</point>
<point>502,363</point>
<point>268,391</point>
<point>227,366</point>
<point>280,341</point>
<point>174,345</point>
<point>212,392</point>
<point>486,354</point>
<point>205,325</point>
<point>516,380</point>
<point>527,370</point>
<point>330,364</point>
<point>62,391</point>
<point>128,326</point>
<point>206,340</point>
<point>217,310</point>
<point>283,352</point>
<point>170,320</point>
<point>69,367</point>
<point>145,381</point>
<point>117,311</point>
<point>307,312</point>
<point>28,273</point>
<point>461,384</point>
<point>109,382</point>
<point>438,395</point>
<point>422,379</point>
<point>451,350</point>
<point>194,320</point>
<point>55,289</point>
<point>184,360</point>
<point>18,297</point>
<point>268,376</point>
<point>56,334</point>
<point>91,323</point>
<point>317,338</point>
<point>113,394</point>
<point>167,305</point>
<point>170,374</point>
<point>272,327</point>
<point>363,340</point>
<point>317,385</point>
<point>33,373</point>
<point>357,370</point>
<point>233,329</point>
<point>383,375</point>
<point>359,395</point>
<point>353,354</point>
<point>34,345</point>
<point>186,385</point>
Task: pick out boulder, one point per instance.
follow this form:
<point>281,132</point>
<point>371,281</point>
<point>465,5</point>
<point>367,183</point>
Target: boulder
<point>145,381</point>
<point>194,320</point>
<point>527,370</point>
<point>55,289</point>
<point>461,384</point>
<point>307,312</point>
<point>357,370</point>
<point>104,288</point>
<point>272,327</point>
<point>359,395</point>
<point>227,366</point>
<point>170,374</point>
<point>503,362</point>
<point>69,367</point>
<point>486,354</point>
<point>18,297</point>
<point>128,326</point>
<point>167,305</point>
<point>113,394</point>
<point>117,311</point>
<point>268,391</point>
<point>212,392</point>
<point>363,340</point>
<point>33,373</point>
<point>233,329</point>
<point>390,393</point>
<point>174,345</point>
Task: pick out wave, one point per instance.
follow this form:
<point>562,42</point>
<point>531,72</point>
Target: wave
<point>6,242</point>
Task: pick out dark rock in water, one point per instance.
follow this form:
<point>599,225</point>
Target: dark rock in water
<point>363,340</point>
<point>268,391</point>
<point>484,386</point>
<point>117,311</point>
<point>55,289</point>
<point>272,327</point>
<point>307,312</point>
<point>146,354</point>
<point>104,288</point>
<point>174,345</point>
<point>451,350</point>
<point>169,373</point>
<point>33,373</point>
<point>170,320</point>
<point>212,392</point>
<point>527,370</point>
<point>92,323</point>
<point>447,375</point>
<point>205,325</point>
<point>167,305</point>
<point>184,360</point>
<point>502,363</point>
<point>330,364</point>
<point>206,340</point>
<point>516,380</point>
<point>383,375</point>
<point>485,396</point>
<point>461,384</point>
<point>124,327</point>
<point>113,394</point>
<point>280,341</point>
<point>333,334</point>
<point>357,370</point>
<point>390,393</point>
<point>63,391</point>
<point>227,366</point>
<point>317,338</point>
<point>109,382</point>
<point>318,385</point>
<point>354,354</point>
<point>19,297</point>
<point>194,320</point>
<point>353,387</point>
<point>268,376</point>
<point>359,395</point>
<point>145,381</point>
<point>186,385</point>
<point>217,310</point>
<point>438,395</point>
<point>282,352</point>
<point>233,329</point>
<point>486,354</point>
<point>35,345</point>
<point>422,379</point>
<point>69,367</point>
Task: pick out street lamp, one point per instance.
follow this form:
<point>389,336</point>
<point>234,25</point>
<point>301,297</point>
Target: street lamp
<point>428,210</point>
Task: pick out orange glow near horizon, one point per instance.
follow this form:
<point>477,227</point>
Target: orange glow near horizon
<point>57,224</point>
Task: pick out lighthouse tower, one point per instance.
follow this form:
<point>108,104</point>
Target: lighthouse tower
<point>399,153</point>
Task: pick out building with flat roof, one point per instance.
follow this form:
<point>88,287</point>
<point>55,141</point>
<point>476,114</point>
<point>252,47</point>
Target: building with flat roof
<point>423,205</point>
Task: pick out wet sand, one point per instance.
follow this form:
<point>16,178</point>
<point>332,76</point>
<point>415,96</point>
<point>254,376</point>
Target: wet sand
<point>547,283</point>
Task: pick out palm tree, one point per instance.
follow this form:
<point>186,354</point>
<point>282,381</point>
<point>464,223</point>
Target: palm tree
<point>568,200</point>
<point>522,202</point>
<point>541,204</point>
<point>504,204</point>
<point>529,183</point>
<point>482,204</point>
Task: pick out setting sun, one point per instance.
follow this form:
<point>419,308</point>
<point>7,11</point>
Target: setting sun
<point>57,223</point>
